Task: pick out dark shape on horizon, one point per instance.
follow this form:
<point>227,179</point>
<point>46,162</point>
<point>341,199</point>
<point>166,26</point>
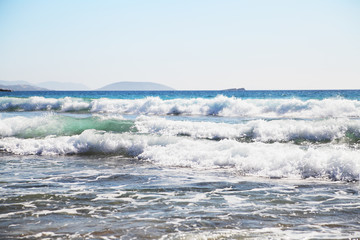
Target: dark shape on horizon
<point>23,87</point>
<point>5,90</point>
<point>135,86</point>
<point>234,89</point>
<point>19,85</point>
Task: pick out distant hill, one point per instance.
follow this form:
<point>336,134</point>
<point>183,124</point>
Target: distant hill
<point>22,87</point>
<point>43,86</point>
<point>234,89</point>
<point>135,86</point>
<point>63,86</point>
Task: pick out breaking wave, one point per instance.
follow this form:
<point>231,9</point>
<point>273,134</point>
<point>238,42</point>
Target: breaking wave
<point>337,162</point>
<point>218,106</point>
<point>260,140</point>
<point>281,130</point>
<point>342,130</point>
<point>59,125</point>
<point>35,103</point>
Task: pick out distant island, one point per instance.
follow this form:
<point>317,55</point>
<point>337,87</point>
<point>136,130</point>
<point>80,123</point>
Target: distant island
<point>135,86</point>
<point>68,86</point>
<point>234,89</point>
<point>43,86</point>
<point>5,90</point>
<point>9,86</point>
<point>21,87</point>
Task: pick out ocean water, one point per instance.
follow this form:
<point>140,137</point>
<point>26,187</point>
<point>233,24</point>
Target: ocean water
<point>180,165</point>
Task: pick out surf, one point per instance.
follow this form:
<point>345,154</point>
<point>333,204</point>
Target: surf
<point>218,106</point>
<point>337,162</point>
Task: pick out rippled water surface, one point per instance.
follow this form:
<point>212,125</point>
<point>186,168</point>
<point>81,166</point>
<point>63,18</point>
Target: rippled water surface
<point>116,197</point>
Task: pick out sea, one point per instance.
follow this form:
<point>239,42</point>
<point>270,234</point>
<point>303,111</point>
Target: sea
<point>180,164</point>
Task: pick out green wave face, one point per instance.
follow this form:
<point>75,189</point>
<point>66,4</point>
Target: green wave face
<point>298,132</point>
<point>58,125</point>
<point>76,126</point>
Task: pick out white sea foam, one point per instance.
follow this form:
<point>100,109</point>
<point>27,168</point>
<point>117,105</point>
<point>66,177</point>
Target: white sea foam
<point>278,159</point>
<point>318,130</point>
<point>43,104</point>
<point>89,141</point>
<point>229,106</point>
<point>338,162</point>
<point>218,106</point>
<point>257,130</point>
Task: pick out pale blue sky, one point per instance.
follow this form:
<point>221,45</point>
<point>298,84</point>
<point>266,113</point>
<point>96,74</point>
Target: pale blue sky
<point>256,44</point>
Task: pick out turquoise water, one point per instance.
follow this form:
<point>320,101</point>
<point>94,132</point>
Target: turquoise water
<point>302,94</point>
<point>180,165</point>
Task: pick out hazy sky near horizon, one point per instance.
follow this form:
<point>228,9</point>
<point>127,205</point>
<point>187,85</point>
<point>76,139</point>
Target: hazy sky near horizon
<point>185,44</point>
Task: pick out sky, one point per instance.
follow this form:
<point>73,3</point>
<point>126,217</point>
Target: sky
<point>185,44</point>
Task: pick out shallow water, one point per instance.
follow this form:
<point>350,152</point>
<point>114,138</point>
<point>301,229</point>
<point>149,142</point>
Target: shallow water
<point>180,165</point>
<point>115,197</point>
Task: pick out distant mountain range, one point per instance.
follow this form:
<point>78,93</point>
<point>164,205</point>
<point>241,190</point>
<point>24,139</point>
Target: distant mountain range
<point>22,87</point>
<point>135,86</point>
<point>69,86</point>
<point>43,86</point>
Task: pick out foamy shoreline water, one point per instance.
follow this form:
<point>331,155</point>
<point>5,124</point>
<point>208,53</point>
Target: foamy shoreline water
<point>114,197</point>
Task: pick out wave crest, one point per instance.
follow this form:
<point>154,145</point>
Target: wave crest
<point>337,162</point>
<point>53,124</point>
<point>343,130</point>
<point>218,106</point>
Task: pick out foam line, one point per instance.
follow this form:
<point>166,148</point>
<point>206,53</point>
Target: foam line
<point>256,130</point>
<point>337,162</point>
<point>218,106</point>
